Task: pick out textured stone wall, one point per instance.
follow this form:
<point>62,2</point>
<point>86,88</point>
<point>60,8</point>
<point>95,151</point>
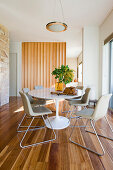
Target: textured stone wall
<point>4,65</point>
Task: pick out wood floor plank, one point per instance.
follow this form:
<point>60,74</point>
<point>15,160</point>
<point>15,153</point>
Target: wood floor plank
<point>57,155</point>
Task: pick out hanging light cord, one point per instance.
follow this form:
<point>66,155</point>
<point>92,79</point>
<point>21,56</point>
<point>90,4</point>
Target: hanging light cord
<point>62,9</point>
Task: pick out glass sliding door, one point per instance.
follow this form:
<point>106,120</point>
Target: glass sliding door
<point>111,73</point>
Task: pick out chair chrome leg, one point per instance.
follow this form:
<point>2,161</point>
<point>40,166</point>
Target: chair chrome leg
<point>103,135</point>
<point>72,131</point>
<point>34,144</point>
<point>35,118</point>
<point>35,128</point>
<point>50,126</point>
<point>71,111</point>
<point>25,135</point>
<point>80,126</point>
<point>87,147</point>
<point>21,122</point>
<point>109,124</point>
<point>71,117</point>
<point>20,126</point>
<point>66,108</point>
<point>98,140</point>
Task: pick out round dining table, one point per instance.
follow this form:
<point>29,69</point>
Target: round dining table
<point>57,122</point>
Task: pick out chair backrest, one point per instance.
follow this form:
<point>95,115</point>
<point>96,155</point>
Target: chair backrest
<point>26,103</point>
<point>80,87</point>
<point>101,107</point>
<point>26,90</point>
<point>38,87</point>
<point>85,97</point>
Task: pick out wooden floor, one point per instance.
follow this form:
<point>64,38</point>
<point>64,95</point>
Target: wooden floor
<point>58,155</point>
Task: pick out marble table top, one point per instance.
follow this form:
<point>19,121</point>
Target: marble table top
<point>46,94</point>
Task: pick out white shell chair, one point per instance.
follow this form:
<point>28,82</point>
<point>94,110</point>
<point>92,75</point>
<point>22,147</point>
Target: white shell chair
<point>75,98</point>
<point>83,102</point>
<point>92,115</point>
<point>33,112</point>
<point>38,87</point>
<point>36,102</point>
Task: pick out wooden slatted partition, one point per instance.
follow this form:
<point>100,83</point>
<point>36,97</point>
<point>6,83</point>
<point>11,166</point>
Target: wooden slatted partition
<point>38,61</point>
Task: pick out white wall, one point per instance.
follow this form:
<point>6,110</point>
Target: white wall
<point>79,61</point>
<point>105,30</point>
<point>16,47</point>
<point>91,58</point>
<point>105,69</point>
<point>12,74</point>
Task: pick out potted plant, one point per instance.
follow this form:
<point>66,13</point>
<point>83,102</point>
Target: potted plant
<point>64,75</point>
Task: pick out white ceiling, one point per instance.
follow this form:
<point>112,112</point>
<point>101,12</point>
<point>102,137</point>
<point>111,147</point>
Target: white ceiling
<point>26,19</point>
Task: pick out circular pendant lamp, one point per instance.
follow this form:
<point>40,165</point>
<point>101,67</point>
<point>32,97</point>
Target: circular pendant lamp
<point>57,26</point>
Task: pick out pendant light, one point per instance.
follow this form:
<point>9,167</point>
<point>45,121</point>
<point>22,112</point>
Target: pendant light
<point>56,26</point>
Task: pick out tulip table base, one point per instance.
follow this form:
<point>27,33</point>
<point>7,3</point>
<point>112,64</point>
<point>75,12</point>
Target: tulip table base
<point>58,122</point>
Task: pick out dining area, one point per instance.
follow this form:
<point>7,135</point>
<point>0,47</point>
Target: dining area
<point>52,123</point>
<point>40,140</point>
<point>56,85</point>
<point>35,106</point>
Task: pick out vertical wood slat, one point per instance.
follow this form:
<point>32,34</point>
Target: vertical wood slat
<point>32,65</point>
<point>52,61</point>
<point>64,53</point>
<point>49,74</point>
<point>61,53</point>
<point>55,55</point>
<point>47,61</point>
<point>39,59</point>
<point>52,81</point>
<point>39,64</point>
<point>58,54</point>
<point>35,63</point>
<point>42,63</point>
<point>26,65</point>
<point>44,67</point>
<point>23,65</point>
<point>29,68</point>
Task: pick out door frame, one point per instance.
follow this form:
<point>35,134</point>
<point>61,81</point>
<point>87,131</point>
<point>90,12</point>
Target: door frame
<point>16,72</point>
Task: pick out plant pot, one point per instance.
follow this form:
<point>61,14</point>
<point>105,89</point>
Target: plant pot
<point>59,86</point>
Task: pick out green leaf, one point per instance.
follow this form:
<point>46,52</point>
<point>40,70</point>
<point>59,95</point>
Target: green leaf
<point>63,74</point>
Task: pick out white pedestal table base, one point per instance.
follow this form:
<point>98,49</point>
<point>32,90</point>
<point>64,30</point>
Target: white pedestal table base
<point>58,122</point>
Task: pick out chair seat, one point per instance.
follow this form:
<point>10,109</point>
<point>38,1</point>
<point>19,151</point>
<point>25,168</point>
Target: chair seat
<point>38,102</point>
<point>37,111</point>
<point>76,102</point>
<point>86,113</point>
<point>75,98</point>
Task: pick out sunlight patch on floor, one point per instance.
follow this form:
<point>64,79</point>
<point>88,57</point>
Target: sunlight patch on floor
<point>19,110</point>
